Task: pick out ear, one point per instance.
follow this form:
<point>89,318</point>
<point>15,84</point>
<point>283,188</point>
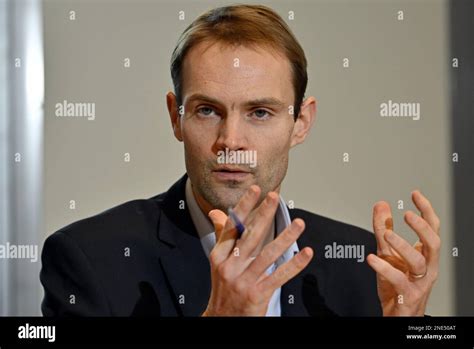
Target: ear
<point>174,115</point>
<point>304,122</point>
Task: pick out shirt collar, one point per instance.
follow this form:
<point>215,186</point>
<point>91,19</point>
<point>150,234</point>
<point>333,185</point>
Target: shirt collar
<point>205,227</point>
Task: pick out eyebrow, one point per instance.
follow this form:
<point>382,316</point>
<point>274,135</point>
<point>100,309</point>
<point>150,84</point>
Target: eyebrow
<point>269,101</point>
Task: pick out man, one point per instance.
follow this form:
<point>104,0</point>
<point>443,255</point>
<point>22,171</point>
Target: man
<point>239,79</point>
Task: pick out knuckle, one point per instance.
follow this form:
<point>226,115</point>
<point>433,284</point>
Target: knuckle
<point>240,286</point>
<point>419,262</point>
<point>436,243</point>
<point>300,262</point>
<point>423,224</point>
<point>385,268</point>
<point>291,234</point>
<point>213,258</point>
<point>284,240</point>
<point>224,271</point>
<point>270,251</point>
<point>400,279</point>
<point>261,212</point>
<point>255,295</point>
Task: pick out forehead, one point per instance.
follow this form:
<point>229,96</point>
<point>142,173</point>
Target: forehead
<point>236,73</point>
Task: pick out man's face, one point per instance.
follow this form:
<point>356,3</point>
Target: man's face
<point>237,98</point>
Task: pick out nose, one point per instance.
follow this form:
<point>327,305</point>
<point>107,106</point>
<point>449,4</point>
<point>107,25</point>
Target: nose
<point>232,133</point>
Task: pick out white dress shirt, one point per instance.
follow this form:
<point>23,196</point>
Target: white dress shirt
<point>207,235</point>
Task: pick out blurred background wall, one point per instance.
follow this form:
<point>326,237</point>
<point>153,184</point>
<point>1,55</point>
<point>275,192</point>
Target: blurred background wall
<point>116,54</point>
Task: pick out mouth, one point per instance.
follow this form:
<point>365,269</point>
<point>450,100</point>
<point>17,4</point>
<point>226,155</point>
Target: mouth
<point>230,173</point>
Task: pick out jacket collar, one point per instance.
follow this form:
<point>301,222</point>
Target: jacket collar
<point>308,298</point>
<point>185,265</point>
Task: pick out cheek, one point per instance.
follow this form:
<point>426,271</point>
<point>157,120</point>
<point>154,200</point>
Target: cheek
<point>275,140</point>
<point>272,152</point>
<point>197,142</point>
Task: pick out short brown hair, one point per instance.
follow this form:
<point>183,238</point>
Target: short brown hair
<point>248,25</point>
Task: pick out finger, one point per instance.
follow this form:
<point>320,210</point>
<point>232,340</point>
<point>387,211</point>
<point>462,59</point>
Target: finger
<point>218,219</point>
<point>426,209</point>
<point>228,235</point>
<point>286,271</point>
<point>395,277</point>
<point>428,237</point>
<point>247,202</point>
<point>258,227</point>
<point>381,221</point>
<point>274,250</point>
<point>396,261</point>
<point>222,248</point>
<point>415,260</point>
<point>243,208</point>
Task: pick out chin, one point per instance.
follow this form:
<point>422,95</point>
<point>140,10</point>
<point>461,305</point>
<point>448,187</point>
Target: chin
<point>229,197</point>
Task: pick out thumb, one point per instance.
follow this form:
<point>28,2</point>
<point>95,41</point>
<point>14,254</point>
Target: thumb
<point>219,219</point>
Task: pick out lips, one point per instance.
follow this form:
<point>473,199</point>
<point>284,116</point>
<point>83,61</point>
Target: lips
<point>230,173</point>
<point>230,169</point>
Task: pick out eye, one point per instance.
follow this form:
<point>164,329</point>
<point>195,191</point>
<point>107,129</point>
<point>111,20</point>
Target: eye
<point>206,111</point>
<point>261,114</point>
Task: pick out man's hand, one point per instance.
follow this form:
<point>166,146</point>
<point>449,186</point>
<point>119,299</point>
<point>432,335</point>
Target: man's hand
<point>240,284</point>
<point>405,273</point>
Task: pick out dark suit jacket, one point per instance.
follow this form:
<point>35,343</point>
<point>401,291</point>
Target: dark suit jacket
<point>144,258</point>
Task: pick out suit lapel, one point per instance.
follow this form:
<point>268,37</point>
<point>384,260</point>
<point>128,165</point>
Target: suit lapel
<point>291,293</point>
<point>303,289</point>
<point>185,264</point>
<point>307,300</point>
<point>291,299</point>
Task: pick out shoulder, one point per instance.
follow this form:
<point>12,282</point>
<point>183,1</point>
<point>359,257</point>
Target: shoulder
<point>137,217</point>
